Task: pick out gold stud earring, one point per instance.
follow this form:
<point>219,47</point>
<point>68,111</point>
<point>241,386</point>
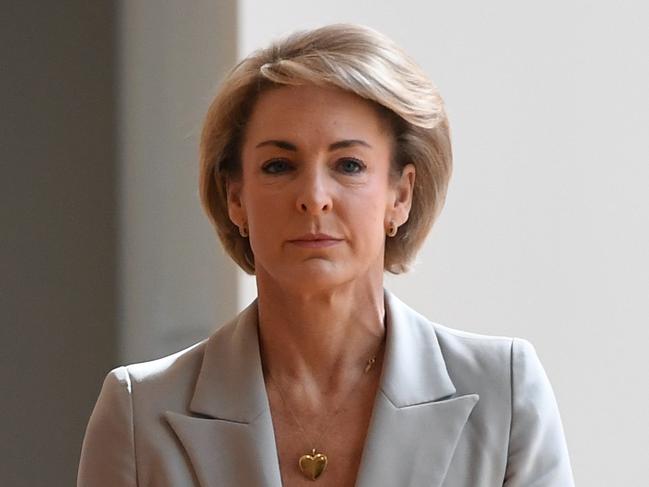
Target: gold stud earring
<point>392,229</point>
<point>243,230</point>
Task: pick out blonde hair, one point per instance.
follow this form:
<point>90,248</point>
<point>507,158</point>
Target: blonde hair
<point>356,59</point>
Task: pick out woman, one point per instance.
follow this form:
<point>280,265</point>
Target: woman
<point>324,162</point>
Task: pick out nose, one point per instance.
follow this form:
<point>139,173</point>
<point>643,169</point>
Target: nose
<point>314,194</point>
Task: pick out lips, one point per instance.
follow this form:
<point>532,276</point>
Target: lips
<point>314,236</point>
<point>315,240</point>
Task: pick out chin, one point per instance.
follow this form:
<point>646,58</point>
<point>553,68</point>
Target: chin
<point>316,275</point>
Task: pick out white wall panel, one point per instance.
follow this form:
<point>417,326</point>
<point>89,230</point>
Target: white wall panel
<point>546,227</point>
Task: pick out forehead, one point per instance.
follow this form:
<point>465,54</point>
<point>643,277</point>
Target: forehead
<point>310,111</point>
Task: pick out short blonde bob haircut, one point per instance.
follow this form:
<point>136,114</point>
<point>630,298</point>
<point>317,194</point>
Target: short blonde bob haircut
<point>356,59</point>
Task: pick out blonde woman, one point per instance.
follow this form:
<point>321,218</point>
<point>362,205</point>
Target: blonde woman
<point>325,160</point>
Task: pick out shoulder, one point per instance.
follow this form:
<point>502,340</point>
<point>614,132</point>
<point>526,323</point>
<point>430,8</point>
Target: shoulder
<point>133,395</point>
<point>456,341</point>
<point>178,364</point>
<point>516,401</point>
<point>482,349</point>
<point>474,359</point>
<point>453,340</point>
<point>167,381</point>
<point>468,357</point>
<point>475,362</point>
<point>508,375</point>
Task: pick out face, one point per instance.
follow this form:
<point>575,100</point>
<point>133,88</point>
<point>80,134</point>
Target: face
<point>315,190</point>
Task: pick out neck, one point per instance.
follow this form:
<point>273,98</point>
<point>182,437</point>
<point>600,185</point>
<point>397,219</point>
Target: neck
<point>321,341</point>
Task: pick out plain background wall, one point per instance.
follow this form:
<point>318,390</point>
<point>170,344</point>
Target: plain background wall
<point>546,228</point>
<point>57,241</point>
<point>107,257</point>
<point>175,281</point>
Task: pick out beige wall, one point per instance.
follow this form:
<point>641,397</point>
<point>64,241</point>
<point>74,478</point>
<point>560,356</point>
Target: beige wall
<point>175,283</point>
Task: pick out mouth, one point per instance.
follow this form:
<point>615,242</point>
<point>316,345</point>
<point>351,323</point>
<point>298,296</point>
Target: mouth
<point>317,240</point>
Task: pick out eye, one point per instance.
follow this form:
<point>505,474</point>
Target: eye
<point>276,166</point>
<point>351,166</point>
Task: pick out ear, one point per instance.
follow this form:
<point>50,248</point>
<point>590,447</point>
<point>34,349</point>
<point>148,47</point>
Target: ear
<point>236,207</point>
<point>402,200</point>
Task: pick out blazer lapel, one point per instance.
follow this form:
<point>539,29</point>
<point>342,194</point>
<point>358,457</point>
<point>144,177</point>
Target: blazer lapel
<point>417,419</point>
<point>229,439</point>
<point>416,422</point>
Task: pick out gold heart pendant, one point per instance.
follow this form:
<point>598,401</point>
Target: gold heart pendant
<point>313,465</point>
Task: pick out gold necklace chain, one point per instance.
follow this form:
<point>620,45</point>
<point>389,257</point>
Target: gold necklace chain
<point>313,464</point>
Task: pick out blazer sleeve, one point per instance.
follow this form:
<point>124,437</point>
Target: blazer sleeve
<point>538,454</point>
<point>108,451</point>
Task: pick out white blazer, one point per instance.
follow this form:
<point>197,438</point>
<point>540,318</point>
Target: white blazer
<point>454,409</point>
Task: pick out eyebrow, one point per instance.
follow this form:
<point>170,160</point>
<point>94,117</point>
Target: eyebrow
<point>341,144</point>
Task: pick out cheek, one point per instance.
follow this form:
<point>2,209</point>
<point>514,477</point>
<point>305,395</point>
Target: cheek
<point>257,200</point>
<point>267,215</point>
<point>375,199</point>
<point>367,217</point>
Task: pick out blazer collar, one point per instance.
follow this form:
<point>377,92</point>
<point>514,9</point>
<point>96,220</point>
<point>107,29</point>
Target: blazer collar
<point>231,382</point>
<point>232,414</point>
